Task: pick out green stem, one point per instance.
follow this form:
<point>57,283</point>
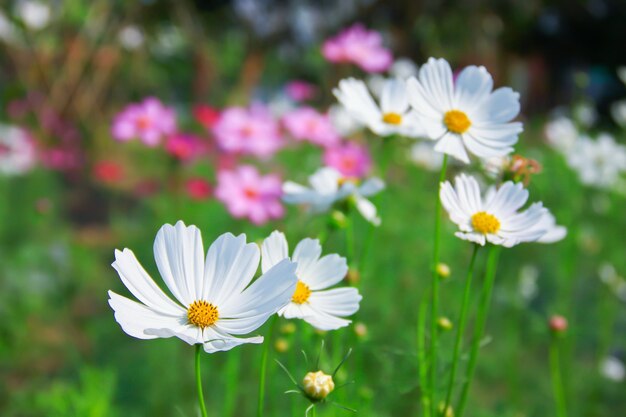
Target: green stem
<point>421,357</point>
<point>434,312</point>
<point>265,353</point>
<point>461,327</point>
<point>350,238</point>
<point>481,320</point>
<point>557,382</point>
<point>199,381</point>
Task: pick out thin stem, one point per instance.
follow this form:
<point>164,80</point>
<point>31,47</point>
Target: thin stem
<point>266,345</point>
<point>421,357</point>
<point>461,327</point>
<point>481,320</point>
<point>557,382</point>
<point>434,312</point>
<point>350,238</point>
<point>199,381</point>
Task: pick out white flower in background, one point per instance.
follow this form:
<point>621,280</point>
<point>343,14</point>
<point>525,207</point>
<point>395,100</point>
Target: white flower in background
<point>612,368</point>
<point>424,155</point>
<point>621,74</point>
<point>494,219</point>
<point>312,301</point>
<point>610,277</point>
<point>392,117</point>
<point>343,122</point>
<point>216,298</point>
<point>17,150</point>
<point>527,284</point>
<point>328,186</point>
<point>130,37</point>
<point>34,14</point>
<point>585,114</point>
<point>598,162</point>
<point>7,29</point>
<point>561,133</point>
<point>618,112</point>
<point>465,114</point>
<point>403,68</point>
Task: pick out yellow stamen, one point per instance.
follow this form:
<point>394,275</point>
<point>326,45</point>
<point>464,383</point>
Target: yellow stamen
<point>343,180</point>
<point>392,118</point>
<point>302,293</point>
<point>457,121</point>
<point>202,314</point>
<point>485,223</point>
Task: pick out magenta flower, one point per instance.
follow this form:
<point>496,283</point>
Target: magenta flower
<point>359,46</point>
<point>252,131</point>
<point>149,121</point>
<point>350,159</point>
<point>247,194</point>
<point>184,146</point>
<point>306,123</point>
<point>299,90</point>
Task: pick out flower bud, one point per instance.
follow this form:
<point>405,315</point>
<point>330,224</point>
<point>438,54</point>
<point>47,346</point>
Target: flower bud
<point>281,345</point>
<point>288,328</point>
<point>317,385</point>
<point>449,412</point>
<point>353,277</point>
<point>338,219</point>
<point>443,270</point>
<point>558,324</point>
<point>360,329</point>
<point>444,323</point>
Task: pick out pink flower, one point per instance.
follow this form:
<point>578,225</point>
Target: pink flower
<point>18,153</point>
<point>198,188</point>
<point>247,194</point>
<point>149,121</point>
<point>306,123</point>
<point>207,116</point>
<point>250,131</point>
<point>359,46</point>
<point>108,172</point>
<point>350,159</point>
<point>184,146</point>
<point>298,90</point>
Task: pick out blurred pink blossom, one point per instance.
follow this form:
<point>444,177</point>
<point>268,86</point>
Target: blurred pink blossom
<point>359,46</point>
<point>108,171</point>
<point>198,188</point>
<point>307,123</point>
<point>184,146</point>
<point>252,131</point>
<point>350,159</point>
<point>149,121</point>
<point>206,115</point>
<point>299,90</point>
<point>247,194</point>
<point>17,150</point>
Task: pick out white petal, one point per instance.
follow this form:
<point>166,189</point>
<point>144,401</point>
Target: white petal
<point>274,250</point>
<point>291,311</point>
<point>217,341</point>
<point>367,210</point>
<point>268,294</point>
<point>327,271</point>
<point>501,107</point>
<point>337,302</point>
<point>321,320</point>
<point>371,186</point>
<point>179,256</point>
<point>139,283</point>
<point>230,266</point>
<point>394,98</point>
<point>436,79</point>
<point>353,95</point>
<point>306,254</point>
<point>451,144</point>
<point>472,87</point>
<point>136,318</point>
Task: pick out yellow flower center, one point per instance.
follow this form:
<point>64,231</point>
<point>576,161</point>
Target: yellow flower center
<point>344,180</point>
<point>302,293</point>
<point>456,121</point>
<point>202,314</point>
<point>392,118</point>
<point>485,223</point>
<point>317,385</point>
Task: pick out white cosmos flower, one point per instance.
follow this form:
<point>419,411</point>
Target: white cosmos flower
<point>612,368</point>
<point>599,162</point>
<point>393,116</point>
<point>495,218</point>
<point>561,133</point>
<point>17,151</point>
<point>312,301</point>
<point>328,186</point>
<point>618,112</point>
<point>215,298</point>
<point>464,114</point>
<point>424,155</point>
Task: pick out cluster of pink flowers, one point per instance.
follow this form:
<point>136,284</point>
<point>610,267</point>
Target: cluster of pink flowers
<point>247,194</point>
<point>248,131</point>
<point>150,121</point>
<point>359,46</point>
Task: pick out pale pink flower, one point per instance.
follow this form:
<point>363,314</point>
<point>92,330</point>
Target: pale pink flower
<point>252,131</point>
<point>148,121</point>
<point>306,123</point>
<point>299,90</point>
<point>247,194</point>
<point>350,159</point>
<point>359,46</point>
<point>17,150</point>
